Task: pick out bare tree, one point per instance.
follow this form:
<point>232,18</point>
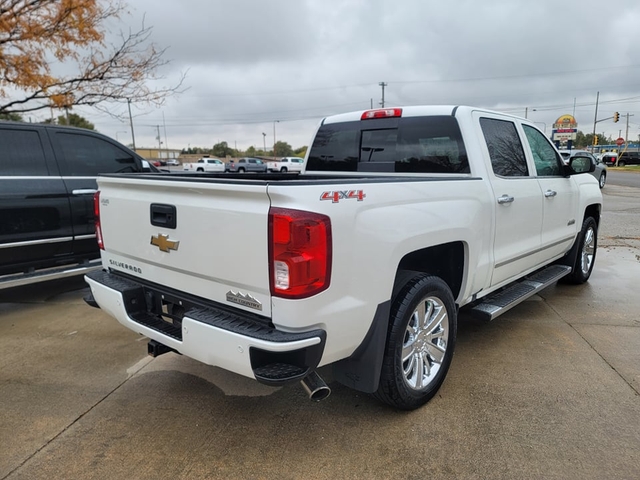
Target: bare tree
<point>39,38</point>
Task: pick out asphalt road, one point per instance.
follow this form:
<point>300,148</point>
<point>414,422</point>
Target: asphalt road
<point>624,178</point>
<point>548,390</point>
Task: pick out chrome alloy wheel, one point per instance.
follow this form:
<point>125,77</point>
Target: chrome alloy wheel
<point>425,342</point>
<point>588,250</point>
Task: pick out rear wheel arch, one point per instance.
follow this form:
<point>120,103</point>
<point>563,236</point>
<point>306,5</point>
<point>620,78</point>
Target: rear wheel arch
<point>446,261</point>
<point>361,371</point>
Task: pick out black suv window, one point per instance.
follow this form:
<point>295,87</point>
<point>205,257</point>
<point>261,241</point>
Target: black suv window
<point>22,153</point>
<point>86,155</point>
<point>430,144</point>
<point>505,148</point>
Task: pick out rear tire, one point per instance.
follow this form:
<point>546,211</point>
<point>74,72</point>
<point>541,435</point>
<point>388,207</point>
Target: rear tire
<point>283,170</point>
<point>241,170</point>
<point>621,163</point>
<point>420,343</point>
<point>586,257</point>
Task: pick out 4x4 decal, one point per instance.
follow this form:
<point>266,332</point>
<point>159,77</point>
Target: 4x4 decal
<point>336,196</point>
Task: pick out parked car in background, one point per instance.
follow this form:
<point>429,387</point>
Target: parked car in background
<point>247,164</point>
<point>601,169</point>
<point>211,165</point>
<point>173,162</point>
<point>286,164</point>
<point>608,158</point>
<point>629,158</point>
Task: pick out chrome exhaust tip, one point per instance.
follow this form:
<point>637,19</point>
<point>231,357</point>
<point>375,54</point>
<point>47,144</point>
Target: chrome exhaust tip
<point>315,387</point>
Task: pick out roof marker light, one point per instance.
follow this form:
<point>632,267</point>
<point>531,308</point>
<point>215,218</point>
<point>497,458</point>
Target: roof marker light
<point>382,113</point>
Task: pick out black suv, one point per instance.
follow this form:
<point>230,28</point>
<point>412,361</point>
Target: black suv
<point>47,183</point>
<point>629,158</point>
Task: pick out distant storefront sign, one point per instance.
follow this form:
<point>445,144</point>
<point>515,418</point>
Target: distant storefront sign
<point>565,128</point>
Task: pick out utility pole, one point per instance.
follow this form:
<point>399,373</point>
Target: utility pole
<point>164,125</point>
<point>595,119</point>
<point>626,135</point>
<point>526,112</point>
<point>382,84</point>
<point>133,137</point>
<point>274,138</point>
<point>264,142</point>
<point>159,139</point>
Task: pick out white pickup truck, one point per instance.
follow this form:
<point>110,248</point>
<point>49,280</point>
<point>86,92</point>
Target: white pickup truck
<point>286,164</point>
<point>401,217</point>
<point>214,165</point>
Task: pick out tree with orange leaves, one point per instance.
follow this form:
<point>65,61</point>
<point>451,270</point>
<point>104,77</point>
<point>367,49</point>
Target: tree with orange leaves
<point>41,41</point>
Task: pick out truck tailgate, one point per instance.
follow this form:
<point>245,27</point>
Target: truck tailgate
<point>217,249</point>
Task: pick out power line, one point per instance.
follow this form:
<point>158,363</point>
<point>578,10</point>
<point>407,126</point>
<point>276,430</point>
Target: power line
<point>444,80</point>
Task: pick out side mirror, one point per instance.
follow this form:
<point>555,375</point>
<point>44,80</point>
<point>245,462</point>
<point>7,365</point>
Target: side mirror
<point>582,165</point>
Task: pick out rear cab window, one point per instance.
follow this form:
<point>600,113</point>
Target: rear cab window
<point>426,144</point>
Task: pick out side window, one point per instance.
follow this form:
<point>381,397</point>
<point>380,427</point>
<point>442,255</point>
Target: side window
<point>544,155</point>
<point>505,148</point>
<point>22,153</point>
<point>89,156</point>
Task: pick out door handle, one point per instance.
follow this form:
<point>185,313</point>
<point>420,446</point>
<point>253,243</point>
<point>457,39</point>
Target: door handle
<point>505,199</point>
<point>550,193</point>
<point>84,191</point>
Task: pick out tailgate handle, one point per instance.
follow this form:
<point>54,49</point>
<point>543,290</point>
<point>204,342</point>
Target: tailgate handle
<point>163,215</point>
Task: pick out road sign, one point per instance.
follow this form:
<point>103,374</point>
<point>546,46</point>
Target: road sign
<point>619,141</point>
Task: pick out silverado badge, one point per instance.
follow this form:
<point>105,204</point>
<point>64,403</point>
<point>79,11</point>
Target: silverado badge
<point>163,243</point>
<point>244,300</point>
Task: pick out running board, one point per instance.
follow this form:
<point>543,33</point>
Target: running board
<point>498,303</point>
<point>20,279</point>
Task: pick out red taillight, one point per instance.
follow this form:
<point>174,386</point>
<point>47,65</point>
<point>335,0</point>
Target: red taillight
<point>96,213</point>
<point>299,253</point>
<point>382,113</point>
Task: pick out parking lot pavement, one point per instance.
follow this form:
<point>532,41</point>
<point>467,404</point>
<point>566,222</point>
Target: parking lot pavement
<point>548,390</point>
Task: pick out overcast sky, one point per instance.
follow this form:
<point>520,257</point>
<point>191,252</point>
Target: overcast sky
<point>252,62</point>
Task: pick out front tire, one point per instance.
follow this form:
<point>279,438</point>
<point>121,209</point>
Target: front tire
<point>603,179</point>
<point>586,257</point>
<point>420,343</point>
<point>621,163</point>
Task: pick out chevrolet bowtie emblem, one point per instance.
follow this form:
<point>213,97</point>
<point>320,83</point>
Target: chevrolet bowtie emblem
<point>163,243</point>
